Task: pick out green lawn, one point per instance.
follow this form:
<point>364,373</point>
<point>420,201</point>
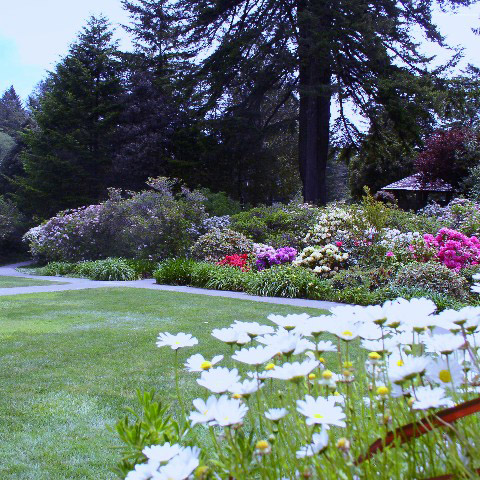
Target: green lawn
<point>10,282</point>
<point>71,362</point>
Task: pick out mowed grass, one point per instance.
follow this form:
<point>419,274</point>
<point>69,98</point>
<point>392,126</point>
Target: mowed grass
<point>72,361</point>
<point>10,282</point>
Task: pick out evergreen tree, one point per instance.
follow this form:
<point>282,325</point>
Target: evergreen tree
<point>12,113</point>
<point>154,110</point>
<point>69,154</point>
<point>322,50</point>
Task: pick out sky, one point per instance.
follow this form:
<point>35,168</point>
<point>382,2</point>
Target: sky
<point>35,34</point>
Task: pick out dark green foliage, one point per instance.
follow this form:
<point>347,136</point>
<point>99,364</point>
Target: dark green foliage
<point>12,225</point>
<point>175,271</point>
<point>110,269</point>
<point>6,144</point>
<point>69,156</point>
<point>278,225</point>
<point>12,113</point>
<point>284,281</point>
<point>433,277</point>
<point>143,268</point>
<point>356,277</point>
<point>219,203</point>
<point>307,50</point>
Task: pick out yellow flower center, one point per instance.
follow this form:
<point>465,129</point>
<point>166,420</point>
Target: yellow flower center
<point>382,391</point>
<point>347,364</point>
<point>321,360</point>
<point>270,366</point>
<point>236,396</point>
<point>445,376</point>
<point>311,376</point>
<point>317,415</point>
<point>327,374</point>
<point>206,365</point>
<point>262,445</point>
<point>374,356</point>
<point>347,333</point>
<point>400,363</point>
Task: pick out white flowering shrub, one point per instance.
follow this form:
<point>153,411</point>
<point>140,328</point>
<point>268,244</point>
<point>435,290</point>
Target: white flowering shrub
<point>326,260</point>
<point>290,403</point>
<point>334,223</point>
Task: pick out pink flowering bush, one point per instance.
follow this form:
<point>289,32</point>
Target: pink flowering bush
<point>452,248</point>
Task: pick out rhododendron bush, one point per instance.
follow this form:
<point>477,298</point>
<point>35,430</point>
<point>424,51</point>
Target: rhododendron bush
<point>152,224</point>
<point>292,401</point>
<point>454,249</point>
<point>268,256</point>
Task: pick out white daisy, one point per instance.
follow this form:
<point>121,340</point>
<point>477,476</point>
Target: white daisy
<point>345,331</point>
<point>447,374</point>
<point>245,388</point>
<point>230,336</point>
<point>161,453</point>
<point>218,380</point>
<point>142,471</point>
<point>254,355</point>
<point>252,328</point>
<point>204,413</point>
<point>427,397</point>
<point>319,443</point>
<point>181,466</point>
<point>409,368</point>
<point>177,341</point>
<point>292,343</point>
<point>197,363</point>
<point>276,414</point>
<point>229,411</point>
<point>325,346</point>
<point>289,322</point>
<point>293,371</point>
<point>444,344</point>
<point>314,325</point>
<point>321,411</point>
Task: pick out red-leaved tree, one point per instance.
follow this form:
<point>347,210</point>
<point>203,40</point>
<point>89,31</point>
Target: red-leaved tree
<point>446,156</point>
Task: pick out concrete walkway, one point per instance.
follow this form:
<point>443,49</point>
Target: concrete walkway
<point>83,284</point>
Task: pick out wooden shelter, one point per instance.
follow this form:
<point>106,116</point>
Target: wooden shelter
<point>412,193</point>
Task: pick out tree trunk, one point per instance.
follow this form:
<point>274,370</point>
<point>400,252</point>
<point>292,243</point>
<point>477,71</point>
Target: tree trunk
<point>315,98</point>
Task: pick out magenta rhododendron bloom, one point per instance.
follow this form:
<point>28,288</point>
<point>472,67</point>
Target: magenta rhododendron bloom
<point>389,254</point>
<point>454,249</point>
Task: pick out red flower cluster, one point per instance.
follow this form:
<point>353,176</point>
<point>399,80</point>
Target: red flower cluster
<point>236,260</point>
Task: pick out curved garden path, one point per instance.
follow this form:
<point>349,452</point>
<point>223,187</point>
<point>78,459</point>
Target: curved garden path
<point>82,284</point>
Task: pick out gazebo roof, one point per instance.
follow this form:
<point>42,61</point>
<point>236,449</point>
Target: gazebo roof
<point>414,183</point>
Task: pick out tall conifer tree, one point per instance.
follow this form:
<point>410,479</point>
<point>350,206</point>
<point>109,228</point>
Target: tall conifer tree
<point>322,50</point>
<point>69,154</point>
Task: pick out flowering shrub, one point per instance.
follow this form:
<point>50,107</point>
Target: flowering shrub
<point>454,249</point>
<point>334,223</point>
<point>460,214</point>
<point>268,256</point>
<point>434,277</point>
<point>215,244</point>
<point>236,261</point>
<point>290,403</point>
<point>322,260</point>
<point>220,223</point>
<point>152,224</point>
